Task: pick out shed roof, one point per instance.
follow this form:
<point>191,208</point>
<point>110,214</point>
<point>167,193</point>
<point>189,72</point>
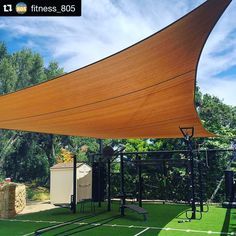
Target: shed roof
<point>144,91</point>
<point>66,165</point>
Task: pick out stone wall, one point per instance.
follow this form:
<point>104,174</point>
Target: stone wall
<point>12,199</point>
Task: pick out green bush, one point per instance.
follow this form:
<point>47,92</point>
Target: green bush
<point>37,193</point>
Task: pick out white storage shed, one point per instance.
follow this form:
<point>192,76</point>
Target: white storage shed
<point>61,182</point>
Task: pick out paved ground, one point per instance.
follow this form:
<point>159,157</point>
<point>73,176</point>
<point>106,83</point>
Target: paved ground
<point>36,206</point>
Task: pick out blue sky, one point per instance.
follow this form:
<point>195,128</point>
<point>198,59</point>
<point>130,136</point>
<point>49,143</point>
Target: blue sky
<point>107,26</point>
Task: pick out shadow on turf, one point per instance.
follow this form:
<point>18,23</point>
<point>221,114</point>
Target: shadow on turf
<point>182,214</point>
<point>53,227</point>
<point>230,217</point>
<point>89,226</point>
<point>159,215</point>
<point>225,227</point>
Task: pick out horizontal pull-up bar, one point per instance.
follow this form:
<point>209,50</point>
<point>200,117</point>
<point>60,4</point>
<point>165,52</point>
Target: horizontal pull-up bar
<point>173,151</point>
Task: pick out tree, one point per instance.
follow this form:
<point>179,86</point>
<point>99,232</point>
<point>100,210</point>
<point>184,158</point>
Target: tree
<point>3,51</point>
<point>27,162</point>
<point>8,77</point>
<point>29,67</point>
<point>22,149</point>
<point>217,116</point>
<point>53,70</point>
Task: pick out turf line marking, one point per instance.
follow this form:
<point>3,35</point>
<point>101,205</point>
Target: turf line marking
<point>33,221</point>
<point>28,234</point>
<point>80,223</point>
<point>121,226</point>
<point>141,232</point>
<point>96,224</point>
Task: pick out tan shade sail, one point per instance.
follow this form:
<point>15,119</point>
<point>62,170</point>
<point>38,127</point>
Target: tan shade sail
<point>144,91</point>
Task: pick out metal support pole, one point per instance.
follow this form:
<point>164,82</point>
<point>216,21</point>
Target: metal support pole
<point>122,209</point>
<point>192,174</point>
<point>229,185</point>
<point>108,184</point>
<point>74,202</point>
<point>99,172</point>
<point>187,136</point>
<point>164,180</point>
<point>100,146</point>
<point>200,182</point>
<point>99,182</point>
<point>139,181</point>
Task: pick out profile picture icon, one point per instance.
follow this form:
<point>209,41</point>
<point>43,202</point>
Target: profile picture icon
<point>21,8</point>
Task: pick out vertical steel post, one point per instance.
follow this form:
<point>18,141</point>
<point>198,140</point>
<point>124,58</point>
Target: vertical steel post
<point>139,180</point>
<point>99,172</point>
<point>122,209</point>
<point>229,185</point>
<point>192,174</point>
<point>99,182</point>
<point>164,180</point>
<point>109,183</point>
<point>200,182</point>
<point>74,202</point>
<point>100,141</point>
<point>187,138</point>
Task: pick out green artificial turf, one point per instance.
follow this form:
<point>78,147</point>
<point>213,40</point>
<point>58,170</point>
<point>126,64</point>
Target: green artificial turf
<point>162,220</point>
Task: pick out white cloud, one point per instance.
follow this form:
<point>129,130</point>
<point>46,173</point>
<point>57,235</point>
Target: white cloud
<point>219,52</point>
<point>107,26</point>
<point>222,88</point>
<point>219,55</point>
